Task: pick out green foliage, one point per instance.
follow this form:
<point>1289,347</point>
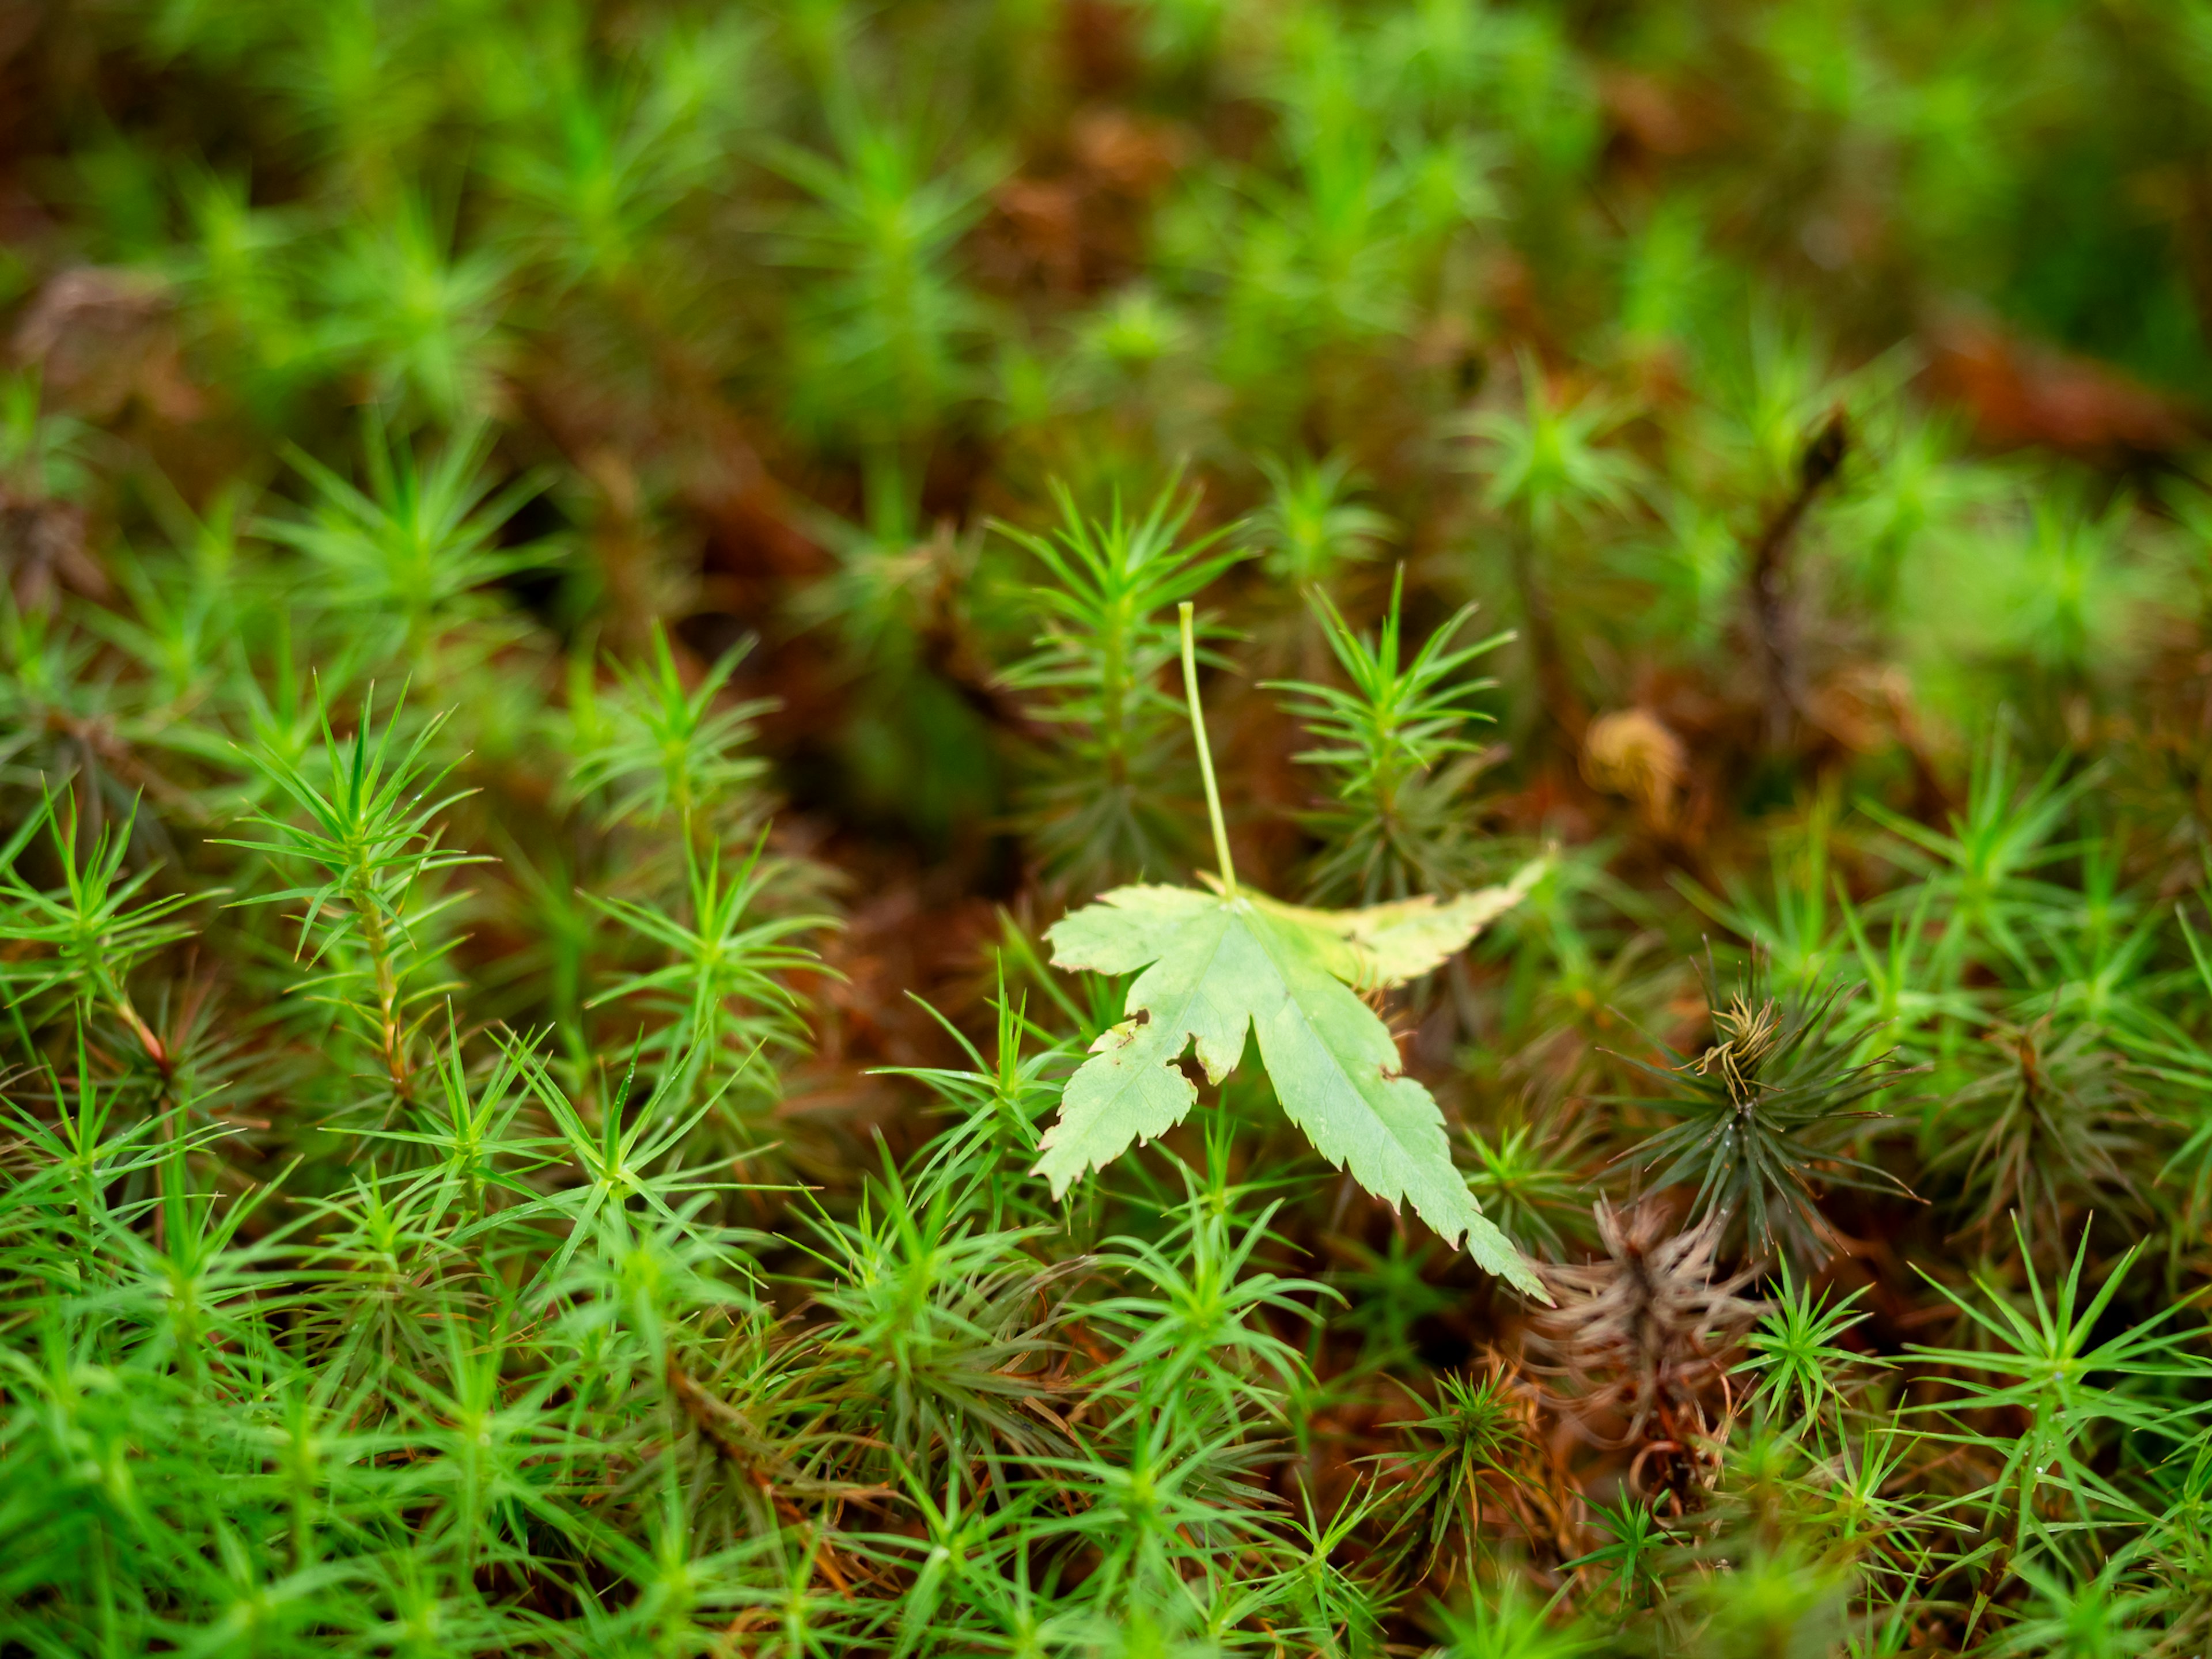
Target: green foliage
<point>721,990</point>
<point>1398,822</point>
<point>365,844</point>
<point>418,546</point>
<point>1544,464</point>
<point>610,1041</point>
<point>1765,1113</point>
<point>658,745</point>
<point>2042,1359</point>
<point>1478,1433</point>
<point>1795,1354</point>
<point>1103,648</point>
<point>1312,523</point>
<point>84,937</point>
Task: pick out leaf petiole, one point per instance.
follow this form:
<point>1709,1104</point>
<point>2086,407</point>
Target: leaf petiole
<point>1204,755</point>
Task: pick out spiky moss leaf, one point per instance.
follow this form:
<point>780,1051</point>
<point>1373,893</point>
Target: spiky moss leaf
<point>1215,966</point>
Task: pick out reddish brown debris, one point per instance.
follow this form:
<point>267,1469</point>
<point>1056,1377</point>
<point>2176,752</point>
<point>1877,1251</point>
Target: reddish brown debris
<point>2019,391</point>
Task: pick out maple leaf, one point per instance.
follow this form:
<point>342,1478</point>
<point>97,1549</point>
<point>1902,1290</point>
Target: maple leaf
<point>1216,964</point>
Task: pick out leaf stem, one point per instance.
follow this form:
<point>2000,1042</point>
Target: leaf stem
<point>1204,755</point>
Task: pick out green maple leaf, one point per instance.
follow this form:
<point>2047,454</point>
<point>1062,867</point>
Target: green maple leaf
<point>1219,963</point>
